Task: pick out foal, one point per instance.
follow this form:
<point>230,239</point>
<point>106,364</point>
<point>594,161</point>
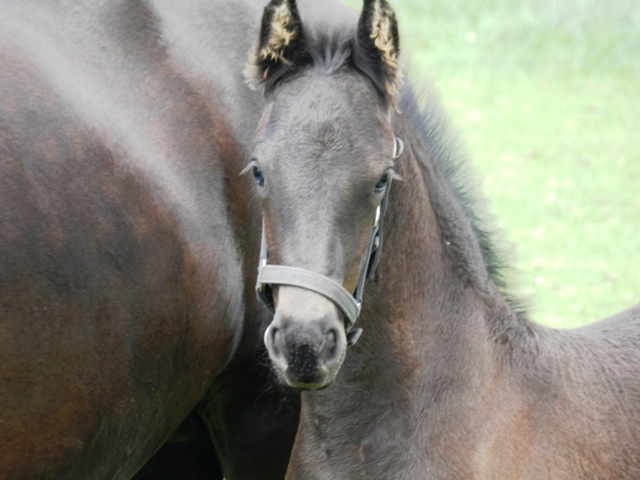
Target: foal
<point>450,379</point>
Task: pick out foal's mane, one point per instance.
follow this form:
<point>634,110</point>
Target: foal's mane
<point>429,121</point>
<point>330,47</point>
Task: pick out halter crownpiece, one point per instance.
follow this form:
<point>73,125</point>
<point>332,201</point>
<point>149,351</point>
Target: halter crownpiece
<point>350,304</point>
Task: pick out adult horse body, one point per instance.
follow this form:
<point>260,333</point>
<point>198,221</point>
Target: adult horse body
<point>450,379</point>
<point>127,245</point>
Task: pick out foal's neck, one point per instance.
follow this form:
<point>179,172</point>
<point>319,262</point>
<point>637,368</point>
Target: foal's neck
<point>437,278</point>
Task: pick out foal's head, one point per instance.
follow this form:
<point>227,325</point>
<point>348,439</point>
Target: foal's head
<point>322,163</point>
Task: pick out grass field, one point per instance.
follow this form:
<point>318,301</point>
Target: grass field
<point>546,97</point>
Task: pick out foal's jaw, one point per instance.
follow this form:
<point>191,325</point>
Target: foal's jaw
<point>306,339</point>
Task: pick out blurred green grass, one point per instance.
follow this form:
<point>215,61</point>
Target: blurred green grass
<point>546,97</point>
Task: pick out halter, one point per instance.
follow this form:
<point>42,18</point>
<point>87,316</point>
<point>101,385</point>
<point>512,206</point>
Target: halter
<point>350,304</point>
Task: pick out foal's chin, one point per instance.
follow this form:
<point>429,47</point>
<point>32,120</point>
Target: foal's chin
<point>287,379</point>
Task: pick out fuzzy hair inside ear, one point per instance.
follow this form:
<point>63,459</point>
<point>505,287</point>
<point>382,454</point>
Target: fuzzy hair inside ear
<point>281,46</point>
<point>377,48</point>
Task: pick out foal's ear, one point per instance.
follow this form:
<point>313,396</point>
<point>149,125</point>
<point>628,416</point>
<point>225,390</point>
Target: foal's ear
<point>377,48</point>
<point>281,46</point>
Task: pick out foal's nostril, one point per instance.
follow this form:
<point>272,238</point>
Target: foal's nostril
<point>274,333</point>
<point>331,345</point>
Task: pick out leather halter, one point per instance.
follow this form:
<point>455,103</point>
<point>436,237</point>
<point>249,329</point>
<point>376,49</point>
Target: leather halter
<point>350,304</point>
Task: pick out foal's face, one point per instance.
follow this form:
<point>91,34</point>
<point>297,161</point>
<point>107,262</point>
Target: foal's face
<point>322,155</point>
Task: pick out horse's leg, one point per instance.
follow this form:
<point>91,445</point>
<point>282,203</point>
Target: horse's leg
<point>188,455</point>
<point>190,458</point>
<point>252,424</point>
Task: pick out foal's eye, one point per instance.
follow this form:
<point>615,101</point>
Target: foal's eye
<point>383,183</point>
<point>256,172</point>
<point>257,175</point>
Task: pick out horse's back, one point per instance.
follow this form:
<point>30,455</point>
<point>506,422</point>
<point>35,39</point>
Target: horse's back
<point>613,346</point>
<point>120,283</point>
<point>616,366</point>
<point>587,401</point>
<point>624,326</point>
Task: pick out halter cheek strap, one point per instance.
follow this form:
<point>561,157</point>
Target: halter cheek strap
<point>350,304</point>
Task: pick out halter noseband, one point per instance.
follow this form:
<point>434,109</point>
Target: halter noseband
<point>350,304</point>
